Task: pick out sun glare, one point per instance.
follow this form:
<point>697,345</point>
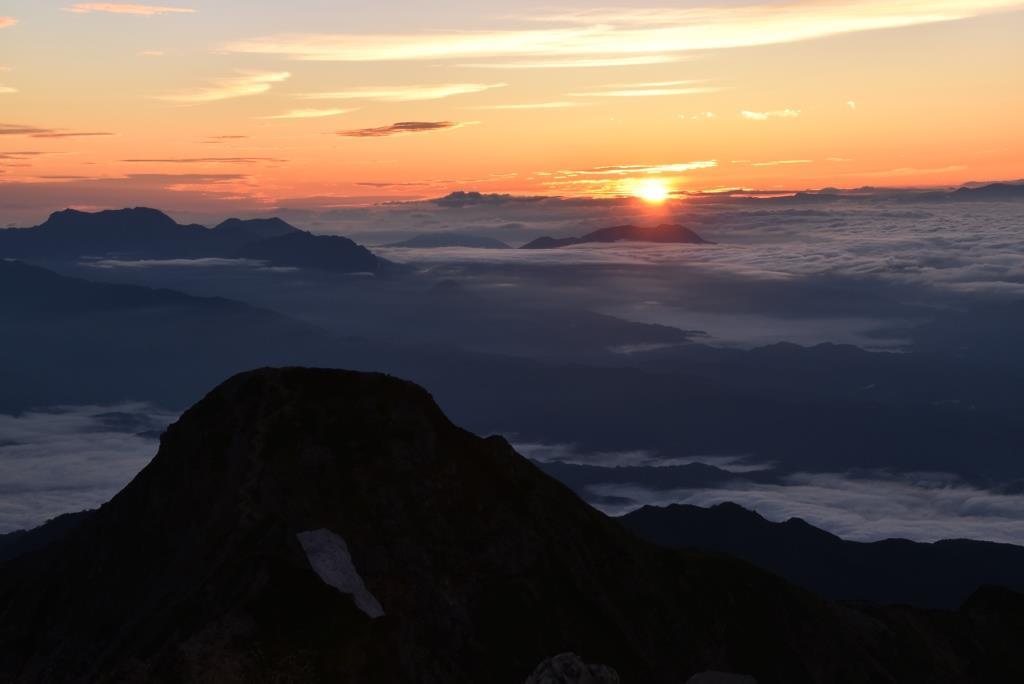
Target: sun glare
<point>653,191</point>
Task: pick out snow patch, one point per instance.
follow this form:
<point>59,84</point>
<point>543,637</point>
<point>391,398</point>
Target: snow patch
<point>328,555</point>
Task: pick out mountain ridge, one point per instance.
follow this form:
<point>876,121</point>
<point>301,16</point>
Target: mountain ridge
<point>664,233</point>
<point>482,567</point>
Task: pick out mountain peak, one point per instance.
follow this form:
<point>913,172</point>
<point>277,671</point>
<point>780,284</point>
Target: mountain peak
<point>137,217</point>
<point>324,525</point>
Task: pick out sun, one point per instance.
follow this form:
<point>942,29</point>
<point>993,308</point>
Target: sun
<point>653,191</point>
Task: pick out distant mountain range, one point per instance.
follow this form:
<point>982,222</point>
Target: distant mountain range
<point>313,525</point>
<point>664,233</point>
<point>976,192</point>
<point>149,234</point>
<point>436,240</point>
<point>939,575</point>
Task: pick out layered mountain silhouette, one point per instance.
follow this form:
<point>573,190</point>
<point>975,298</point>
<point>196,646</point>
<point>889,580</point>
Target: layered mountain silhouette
<point>139,343</point>
<point>665,233</point>
<point>939,575</point>
<point>449,239</point>
<point>312,525</point>
<point>149,234</point>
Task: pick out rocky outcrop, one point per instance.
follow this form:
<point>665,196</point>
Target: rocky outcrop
<point>569,668</point>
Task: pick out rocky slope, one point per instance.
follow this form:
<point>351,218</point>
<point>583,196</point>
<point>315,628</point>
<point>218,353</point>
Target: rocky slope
<point>312,525</point>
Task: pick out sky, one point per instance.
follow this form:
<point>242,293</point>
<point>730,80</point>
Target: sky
<point>220,106</point>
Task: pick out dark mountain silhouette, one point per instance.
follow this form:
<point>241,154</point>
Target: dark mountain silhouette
<point>19,543</point>
<point>939,575</point>
<point>664,233</point>
<point>66,339</point>
<point>72,341</point>
<point>462,198</point>
<point>434,240</point>
<point>310,525</point>
<point>299,249</point>
<point>148,234</point>
<point>246,230</point>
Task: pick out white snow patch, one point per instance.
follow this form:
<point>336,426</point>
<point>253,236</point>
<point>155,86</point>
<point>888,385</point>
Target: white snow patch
<point>328,555</point>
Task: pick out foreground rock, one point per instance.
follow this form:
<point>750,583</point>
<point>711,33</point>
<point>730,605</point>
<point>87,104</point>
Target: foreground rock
<point>328,526</point>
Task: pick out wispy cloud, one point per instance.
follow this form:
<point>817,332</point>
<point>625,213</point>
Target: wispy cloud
<point>126,8</point>
<point>657,89</point>
<point>911,171</point>
<point>776,114</point>
<point>407,93</point>
<point>37,132</point>
<point>646,169</point>
<point>580,63</point>
<point>535,105</point>
<point>205,160</point>
<point>243,84</point>
<point>700,116</point>
<point>7,21</point>
<point>309,114</point>
<point>782,162</point>
<point>7,89</point>
<point>400,128</point>
<point>630,32</point>
<point>72,458</point>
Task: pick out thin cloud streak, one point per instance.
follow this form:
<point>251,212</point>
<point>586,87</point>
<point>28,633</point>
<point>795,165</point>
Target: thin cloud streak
<point>400,128</point>
<point>629,32</point>
<point>764,116</point>
<point>126,8</point>
<point>586,63</point>
<point>37,132</point>
<point>7,21</point>
<point>309,113</point>
<point>409,93</point>
<point>244,84</point>
<point>535,105</point>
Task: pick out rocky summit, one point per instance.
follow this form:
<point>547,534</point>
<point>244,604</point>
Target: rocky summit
<point>304,525</point>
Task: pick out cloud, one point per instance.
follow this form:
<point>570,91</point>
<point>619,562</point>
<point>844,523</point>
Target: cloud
<point>243,84</point>
<point>646,169</point>
<point>203,262</point>
<point>851,104</point>
<point>764,116</point>
<point>7,21</point>
<point>400,128</point>
<point>912,171</point>
<point>309,113</point>
<point>572,454</point>
<point>38,132</point>
<point>658,89</point>
<point>578,63</point>
<point>126,8</point>
<point>205,160</point>
<point>72,458</point>
<point>628,32</point>
<point>562,104</point>
<point>7,89</point>
<point>408,93</point>
<point>923,507</point>
<point>783,162</point>
<point>152,53</point>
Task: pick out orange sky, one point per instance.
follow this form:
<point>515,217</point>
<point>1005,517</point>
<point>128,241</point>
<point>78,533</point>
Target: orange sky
<point>263,103</point>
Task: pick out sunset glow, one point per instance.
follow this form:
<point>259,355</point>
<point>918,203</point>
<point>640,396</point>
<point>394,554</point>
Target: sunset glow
<point>653,191</point>
<point>315,105</point>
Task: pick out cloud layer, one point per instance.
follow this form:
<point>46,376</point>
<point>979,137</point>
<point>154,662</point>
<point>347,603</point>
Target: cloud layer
<point>406,93</point>
<point>400,128</point>
<point>126,8</point>
<point>629,32</point>
<point>70,459</point>
<point>242,84</point>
